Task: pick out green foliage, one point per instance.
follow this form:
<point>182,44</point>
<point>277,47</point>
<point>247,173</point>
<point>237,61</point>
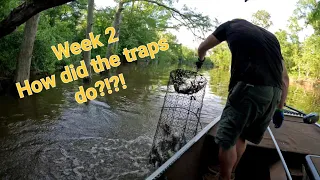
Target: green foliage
<point>9,45</point>
<point>142,22</point>
<point>221,55</point>
<point>262,19</point>
<point>141,27</point>
<point>309,12</point>
<point>103,19</point>
<point>174,52</point>
<point>287,49</point>
<point>303,98</point>
<point>190,56</point>
<point>302,59</point>
<point>310,63</point>
<point>9,50</point>
<point>6,6</point>
<point>314,18</point>
<point>56,25</point>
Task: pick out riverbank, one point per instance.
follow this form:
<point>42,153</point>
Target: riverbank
<point>7,82</point>
<point>308,84</point>
<point>6,85</point>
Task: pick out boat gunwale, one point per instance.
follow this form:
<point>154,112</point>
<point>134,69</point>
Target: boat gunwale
<point>312,169</point>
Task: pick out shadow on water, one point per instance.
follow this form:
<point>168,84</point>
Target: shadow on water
<point>50,136</point>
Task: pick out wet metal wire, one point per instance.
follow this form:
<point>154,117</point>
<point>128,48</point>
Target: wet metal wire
<point>179,120</point>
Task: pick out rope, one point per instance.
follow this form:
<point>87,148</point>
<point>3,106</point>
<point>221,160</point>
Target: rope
<point>280,154</point>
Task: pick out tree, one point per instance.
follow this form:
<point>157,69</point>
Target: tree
<point>314,17</point>
<point>24,58</point>
<point>221,55</point>
<point>296,45</point>
<point>24,12</point>
<point>309,11</point>
<point>143,22</point>
<point>116,25</point>
<point>196,22</point>
<point>57,24</point>
<point>310,63</point>
<point>262,18</point>
<point>87,54</point>
<point>287,48</point>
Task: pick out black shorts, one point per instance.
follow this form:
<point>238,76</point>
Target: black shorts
<point>247,114</point>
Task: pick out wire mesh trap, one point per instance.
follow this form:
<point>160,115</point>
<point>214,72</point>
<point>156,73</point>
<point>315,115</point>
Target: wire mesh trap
<point>179,120</point>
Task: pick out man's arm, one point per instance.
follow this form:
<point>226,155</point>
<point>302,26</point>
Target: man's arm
<point>285,86</point>
<point>210,42</point>
<point>213,40</point>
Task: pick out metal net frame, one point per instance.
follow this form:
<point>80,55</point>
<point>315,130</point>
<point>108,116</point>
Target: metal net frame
<point>179,119</point>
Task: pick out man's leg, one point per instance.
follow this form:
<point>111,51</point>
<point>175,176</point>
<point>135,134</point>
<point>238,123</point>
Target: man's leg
<point>241,147</point>
<point>230,158</point>
<point>233,120</point>
<point>227,160</point>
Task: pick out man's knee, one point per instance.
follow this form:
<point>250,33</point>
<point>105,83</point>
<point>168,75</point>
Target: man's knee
<point>241,146</point>
<point>225,146</point>
<point>241,141</point>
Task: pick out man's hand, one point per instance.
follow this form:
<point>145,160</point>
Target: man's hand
<point>199,63</point>
<point>278,118</point>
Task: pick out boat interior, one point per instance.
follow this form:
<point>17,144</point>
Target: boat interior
<point>259,162</point>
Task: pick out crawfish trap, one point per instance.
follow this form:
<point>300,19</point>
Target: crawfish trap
<point>179,119</point>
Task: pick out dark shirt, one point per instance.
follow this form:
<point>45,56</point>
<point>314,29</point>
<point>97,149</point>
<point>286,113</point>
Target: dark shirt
<point>256,53</point>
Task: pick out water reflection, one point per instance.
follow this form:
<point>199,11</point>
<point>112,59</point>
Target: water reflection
<point>219,83</point>
<point>304,99</point>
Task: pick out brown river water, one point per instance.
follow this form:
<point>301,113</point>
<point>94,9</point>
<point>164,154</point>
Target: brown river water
<point>50,136</point>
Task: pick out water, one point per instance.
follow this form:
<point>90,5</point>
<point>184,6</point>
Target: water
<point>50,136</point>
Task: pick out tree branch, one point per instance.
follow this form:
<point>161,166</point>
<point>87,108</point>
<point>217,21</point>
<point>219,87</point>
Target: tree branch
<point>190,23</point>
<point>190,28</point>
<point>159,4</point>
<point>24,12</point>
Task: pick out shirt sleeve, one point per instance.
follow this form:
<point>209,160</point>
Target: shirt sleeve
<point>221,32</point>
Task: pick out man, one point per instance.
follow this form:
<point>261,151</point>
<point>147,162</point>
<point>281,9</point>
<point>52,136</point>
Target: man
<point>257,90</point>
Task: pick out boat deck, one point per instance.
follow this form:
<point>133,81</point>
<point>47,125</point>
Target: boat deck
<point>293,136</point>
<point>295,139</point>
